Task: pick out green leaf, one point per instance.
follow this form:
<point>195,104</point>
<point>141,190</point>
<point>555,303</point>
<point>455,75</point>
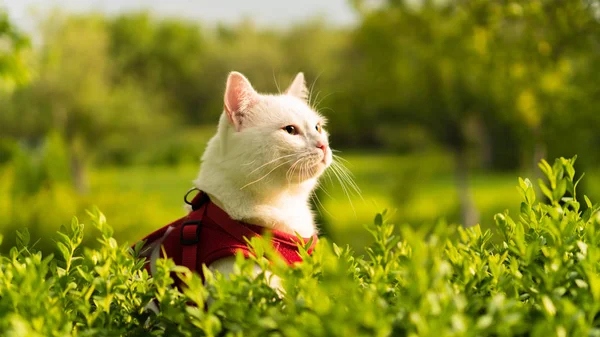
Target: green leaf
<point>546,169</point>
<point>378,220</point>
<point>560,190</point>
<point>74,224</point>
<point>570,171</point>
<point>587,201</point>
<point>578,180</point>
<point>23,237</point>
<point>64,251</point>
<point>522,184</point>
<point>586,215</point>
<point>548,306</point>
<point>63,238</point>
<point>530,194</point>
<point>545,189</point>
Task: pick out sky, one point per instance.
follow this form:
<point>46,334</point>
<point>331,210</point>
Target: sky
<point>280,13</point>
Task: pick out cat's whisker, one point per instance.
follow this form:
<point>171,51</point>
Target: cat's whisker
<point>346,187</point>
<point>233,158</point>
<point>312,87</point>
<point>307,169</point>
<point>266,175</point>
<point>348,174</point>
<point>335,156</point>
<point>270,162</point>
<point>324,190</point>
<point>302,172</point>
<point>275,80</point>
<point>303,166</point>
<point>326,108</point>
<point>313,106</point>
<point>328,175</point>
<point>337,162</point>
<point>300,160</point>
<point>346,180</point>
<point>348,177</point>
<point>316,106</point>
<point>312,197</point>
<point>334,169</point>
<point>291,170</point>
<point>322,206</point>
<point>301,176</point>
<point>250,163</point>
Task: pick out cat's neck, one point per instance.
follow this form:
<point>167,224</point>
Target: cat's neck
<point>284,208</point>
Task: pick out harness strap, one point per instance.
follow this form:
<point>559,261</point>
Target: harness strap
<point>182,238</point>
<point>230,226</point>
<point>190,233</point>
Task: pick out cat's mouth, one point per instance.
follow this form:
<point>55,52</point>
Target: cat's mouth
<point>320,164</point>
<point>312,166</point>
<point>320,159</point>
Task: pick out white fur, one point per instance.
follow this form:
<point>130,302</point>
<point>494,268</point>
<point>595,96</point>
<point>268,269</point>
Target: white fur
<point>240,168</point>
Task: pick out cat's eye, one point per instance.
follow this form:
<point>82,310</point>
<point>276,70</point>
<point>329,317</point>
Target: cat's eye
<point>318,128</point>
<point>291,130</point>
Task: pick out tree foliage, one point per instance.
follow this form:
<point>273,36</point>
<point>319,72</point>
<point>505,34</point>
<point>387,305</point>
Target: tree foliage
<point>485,77</point>
<point>13,45</point>
<point>511,69</point>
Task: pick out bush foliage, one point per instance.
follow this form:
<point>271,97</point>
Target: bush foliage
<point>536,276</point>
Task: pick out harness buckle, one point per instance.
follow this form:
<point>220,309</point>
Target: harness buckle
<point>196,204</point>
<point>185,239</point>
<point>185,197</point>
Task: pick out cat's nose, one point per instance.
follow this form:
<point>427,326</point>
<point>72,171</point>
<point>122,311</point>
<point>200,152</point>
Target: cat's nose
<point>322,146</point>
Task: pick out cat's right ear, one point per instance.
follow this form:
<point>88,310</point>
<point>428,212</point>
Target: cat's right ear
<point>239,97</point>
<point>298,88</point>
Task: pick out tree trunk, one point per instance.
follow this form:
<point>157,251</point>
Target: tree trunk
<point>486,150</point>
<point>539,152</point>
<point>78,167</point>
<point>469,212</point>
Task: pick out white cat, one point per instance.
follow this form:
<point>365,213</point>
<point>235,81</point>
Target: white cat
<point>265,159</point>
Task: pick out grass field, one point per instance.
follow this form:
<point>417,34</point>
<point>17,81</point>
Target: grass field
<point>417,189</point>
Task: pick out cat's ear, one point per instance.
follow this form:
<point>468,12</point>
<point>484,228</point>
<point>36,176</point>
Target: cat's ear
<point>298,88</point>
<point>239,97</point>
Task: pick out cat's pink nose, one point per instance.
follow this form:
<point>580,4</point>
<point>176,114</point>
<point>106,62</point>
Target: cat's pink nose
<point>322,146</point>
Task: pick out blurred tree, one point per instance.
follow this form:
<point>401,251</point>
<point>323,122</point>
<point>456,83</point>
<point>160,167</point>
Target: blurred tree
<point>244,48</point>
<point>13,44</point>
<point>13,72</point>
<point>461,68</point>
<point>425,63</point>
<point>162,56</point>
<point>554,53</point>
<point>487,80</point>
<point>73,94</point>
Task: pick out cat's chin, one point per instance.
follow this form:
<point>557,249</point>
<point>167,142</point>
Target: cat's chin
<point>309,173</point>
<point>318,169</point>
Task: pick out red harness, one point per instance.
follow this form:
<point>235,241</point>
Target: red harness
<point>207,234</point>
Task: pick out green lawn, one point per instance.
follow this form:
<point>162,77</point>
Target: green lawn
<point>419,189</point>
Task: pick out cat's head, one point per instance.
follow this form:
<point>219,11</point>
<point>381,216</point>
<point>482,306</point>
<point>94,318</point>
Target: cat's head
<point>272,139</point>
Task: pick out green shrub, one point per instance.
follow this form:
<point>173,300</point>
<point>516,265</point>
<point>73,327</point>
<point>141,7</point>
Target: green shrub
<point>541,279</point>
<point>36,191</point>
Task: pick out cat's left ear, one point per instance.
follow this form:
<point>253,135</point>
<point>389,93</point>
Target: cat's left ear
<point>298,88</point>
<point>239,98</point>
